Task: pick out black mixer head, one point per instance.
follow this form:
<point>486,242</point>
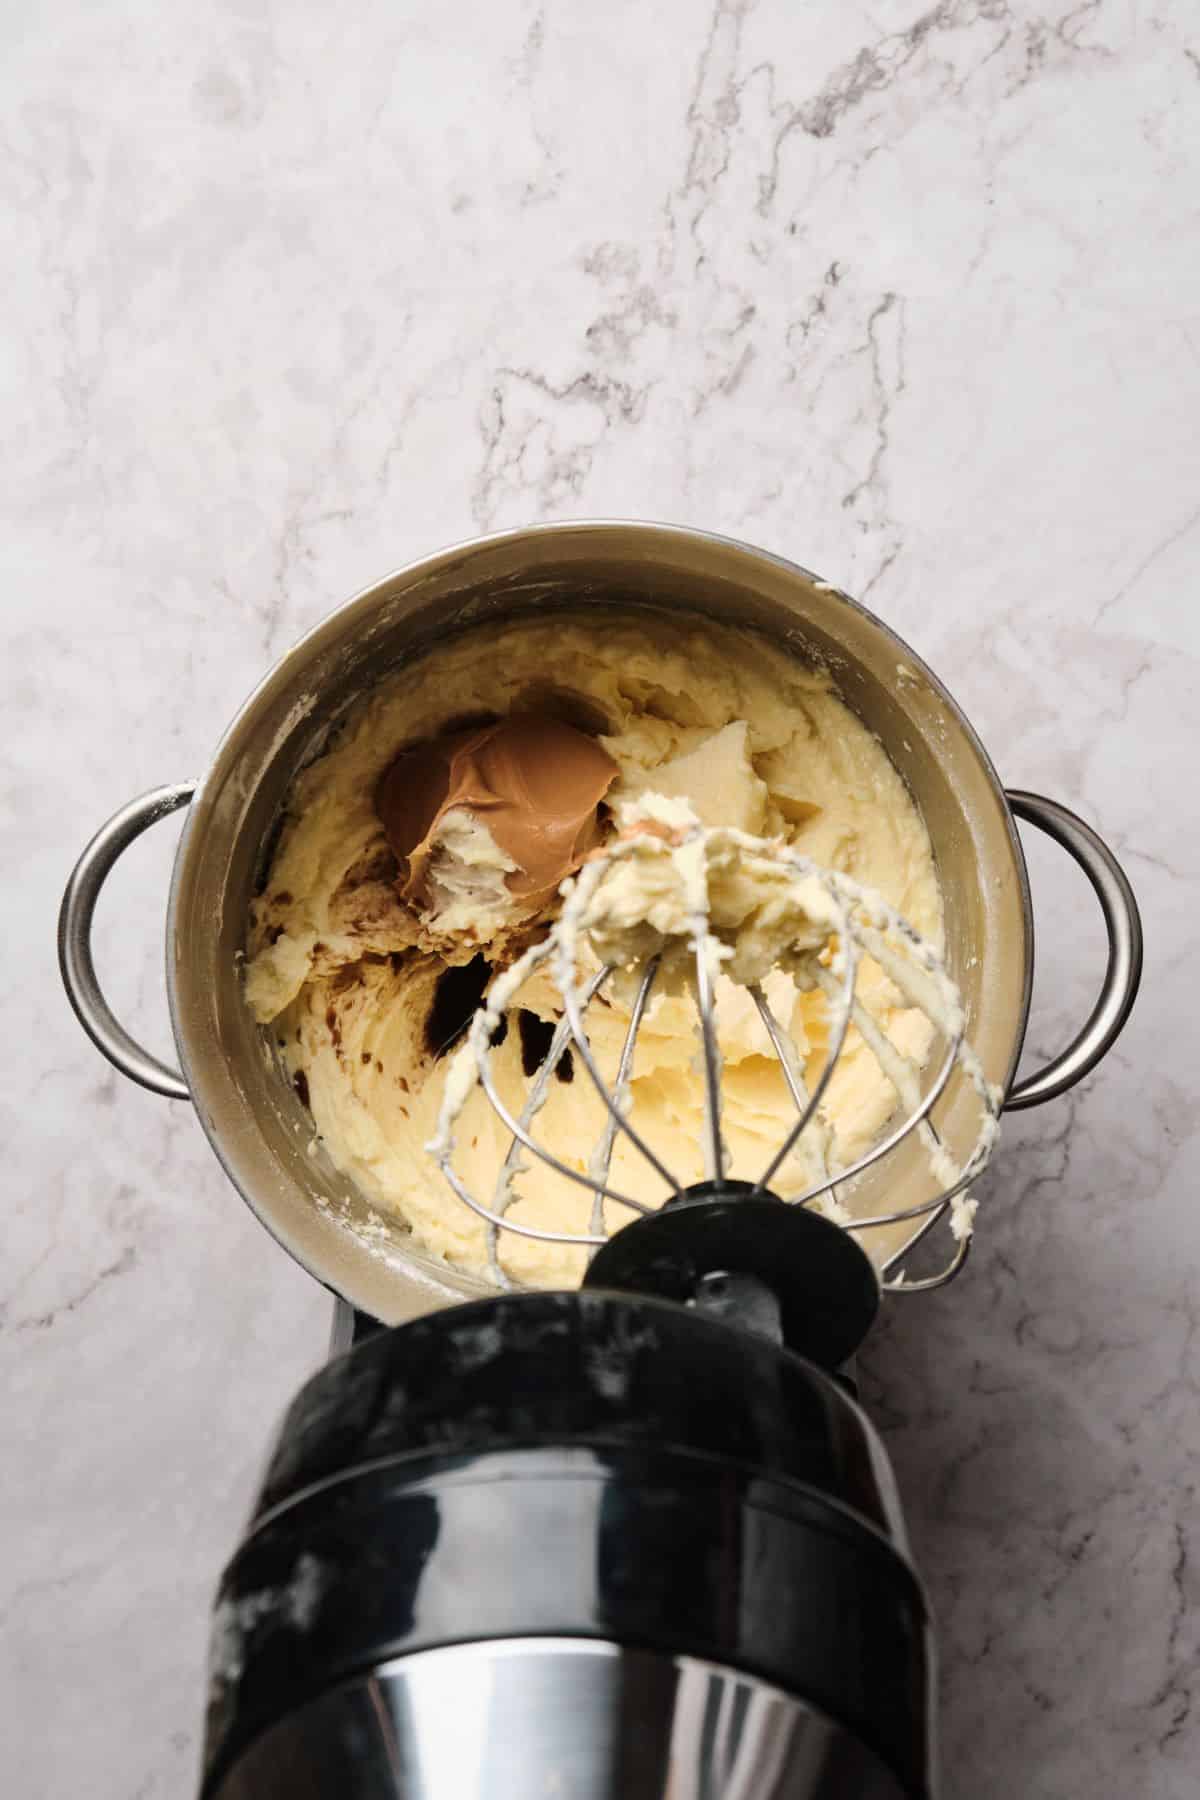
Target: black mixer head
<point>572,1544</point>
<point>735,1250</point>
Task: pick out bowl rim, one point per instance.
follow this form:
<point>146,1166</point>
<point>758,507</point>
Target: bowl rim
<point>422,1270</point>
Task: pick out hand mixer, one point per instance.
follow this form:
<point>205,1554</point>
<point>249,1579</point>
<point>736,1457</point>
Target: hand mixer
<point>638,1539</point>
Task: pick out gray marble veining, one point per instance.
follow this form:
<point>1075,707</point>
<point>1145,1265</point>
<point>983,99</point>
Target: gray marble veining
<point>909,292</point>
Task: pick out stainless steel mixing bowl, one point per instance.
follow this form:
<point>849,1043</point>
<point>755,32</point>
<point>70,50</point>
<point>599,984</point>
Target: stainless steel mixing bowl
<point>253,1120</point>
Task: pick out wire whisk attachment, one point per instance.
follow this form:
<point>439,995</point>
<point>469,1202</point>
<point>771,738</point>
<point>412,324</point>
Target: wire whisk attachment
<point>670,907</point>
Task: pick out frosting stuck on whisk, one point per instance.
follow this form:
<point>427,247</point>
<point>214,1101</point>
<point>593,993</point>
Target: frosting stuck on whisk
<point>760,912</point>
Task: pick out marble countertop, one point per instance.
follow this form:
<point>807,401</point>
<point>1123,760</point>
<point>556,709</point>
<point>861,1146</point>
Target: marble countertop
<point>909,292</point>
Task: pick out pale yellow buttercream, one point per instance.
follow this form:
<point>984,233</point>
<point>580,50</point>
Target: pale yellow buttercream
<point>751,738</point>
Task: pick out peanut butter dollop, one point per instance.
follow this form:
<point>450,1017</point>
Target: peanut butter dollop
<point>534,782</point>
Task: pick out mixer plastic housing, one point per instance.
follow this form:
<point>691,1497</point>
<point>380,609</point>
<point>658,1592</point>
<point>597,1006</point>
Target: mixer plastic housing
<point>582,1544</point>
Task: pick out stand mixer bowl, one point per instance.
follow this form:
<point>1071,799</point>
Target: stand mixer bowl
<point>254,1122</point>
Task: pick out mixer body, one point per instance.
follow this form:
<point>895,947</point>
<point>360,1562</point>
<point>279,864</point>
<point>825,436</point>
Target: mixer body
<point>575,1545</point>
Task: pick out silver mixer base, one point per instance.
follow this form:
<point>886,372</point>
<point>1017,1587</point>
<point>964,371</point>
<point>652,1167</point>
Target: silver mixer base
<point>556,1719</point>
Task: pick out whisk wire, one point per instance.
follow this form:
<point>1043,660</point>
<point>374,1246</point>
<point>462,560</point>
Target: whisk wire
<point>488,1083</point>
<point>503,1194</point>
<point>601,1158</point>
<point>710,1051</point>
<point>841,1009</point>
<point>580,1038</point>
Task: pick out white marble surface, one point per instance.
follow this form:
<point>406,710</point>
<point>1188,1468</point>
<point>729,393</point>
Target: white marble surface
<point>909,291</point>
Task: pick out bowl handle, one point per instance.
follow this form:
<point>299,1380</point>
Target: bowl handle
<point>75,960</point>
<point>1123,923</point>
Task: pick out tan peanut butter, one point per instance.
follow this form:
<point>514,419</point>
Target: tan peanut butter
<point>534,782</point>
